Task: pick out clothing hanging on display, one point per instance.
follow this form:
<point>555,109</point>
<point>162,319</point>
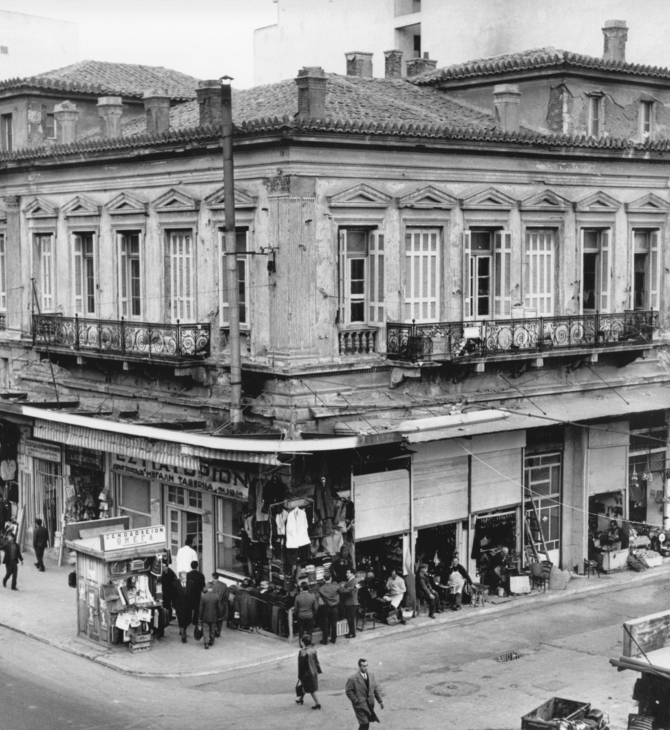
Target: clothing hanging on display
<point>297,529</point>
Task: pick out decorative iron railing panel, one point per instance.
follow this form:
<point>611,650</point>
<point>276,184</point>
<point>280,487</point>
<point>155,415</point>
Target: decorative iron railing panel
<point>173,342</point>
<point>358,342</point>
<point>462,341</point>
<point>3,321</point>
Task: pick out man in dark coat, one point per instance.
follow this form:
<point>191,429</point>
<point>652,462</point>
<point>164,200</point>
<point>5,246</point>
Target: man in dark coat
<point>182,600</point>
<point>40,541</point>
<point>210,614</point>
<point>362,690</point>
<point>197,581</point>
<point>11,561</point>
<point>424,590</point>
<point>221,590</point>
<point>168,578</point>
<point>349,598</point>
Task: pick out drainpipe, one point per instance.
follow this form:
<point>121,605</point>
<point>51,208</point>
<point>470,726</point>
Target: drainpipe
<point>231,254</point>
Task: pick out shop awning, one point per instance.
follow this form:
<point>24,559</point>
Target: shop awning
<point>246,457</point>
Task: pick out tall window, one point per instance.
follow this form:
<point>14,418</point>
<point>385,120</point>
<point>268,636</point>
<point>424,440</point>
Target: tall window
<point>595,270</point>
<point>6,133</point>
<point>182,297</point>
<point>539,270</point>
<point>44,251</point>
<point>595,109</point>
<point>130,275</point>
<point>422,274</point>
<point>543,485</point>
<point>84,274</point>
<point>241,245</point>
<point>645,283</point>
<point>134,500</point>
<point>646,112</point>
<point>228,535</point>
<point>361,276</point>
<point>486,275</point>
<point>3,274</point>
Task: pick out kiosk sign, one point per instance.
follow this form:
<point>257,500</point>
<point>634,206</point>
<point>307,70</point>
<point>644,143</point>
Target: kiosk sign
<point>154,535</point>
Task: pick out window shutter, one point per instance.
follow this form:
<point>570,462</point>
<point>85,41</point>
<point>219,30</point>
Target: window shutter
<point>341,313</point>
<point>223,278</point>
<point>502,253</point>
<point>78,275</point>
<point>467,275</point>
<point>654,271</point>
<point>181,276</point>
<point>539,272</point>
<point>422,267</point>
<point>376,278</point>
<point>605,271</point>
<point>3,274</point>
<point>46,263</point>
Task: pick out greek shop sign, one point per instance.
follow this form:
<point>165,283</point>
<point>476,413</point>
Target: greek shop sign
<point>221,481</point>
<point>133,538</point>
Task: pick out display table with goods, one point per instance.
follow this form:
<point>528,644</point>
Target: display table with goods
<point>613,560</point>
<point>119,599</point>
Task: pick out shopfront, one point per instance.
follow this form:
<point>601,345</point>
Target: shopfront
<point>85,496</point>
<point>45,496</point>
<point>608,474</point>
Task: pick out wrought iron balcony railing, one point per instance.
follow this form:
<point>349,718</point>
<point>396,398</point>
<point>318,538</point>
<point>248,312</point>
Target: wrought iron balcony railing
<point>358,341</point>
<point>463,341</point>
<point>3,321</point>
<point>123,338</point>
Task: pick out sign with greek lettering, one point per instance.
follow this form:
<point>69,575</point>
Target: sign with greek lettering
<point>42,450</point>
<point>154,535</point>
<point>222,481</point>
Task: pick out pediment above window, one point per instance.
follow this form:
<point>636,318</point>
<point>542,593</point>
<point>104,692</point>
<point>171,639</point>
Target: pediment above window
<point>490,199</point>
<point>175,201</point>
<point>40,208</point>
<point>545,201</point>
<point>125,203</point>
<point>649,203</point>
<point>360,196</point>
<point>81,206</point>
<point>428,197</point>
<point>243,199</point>
<point>598,202</point>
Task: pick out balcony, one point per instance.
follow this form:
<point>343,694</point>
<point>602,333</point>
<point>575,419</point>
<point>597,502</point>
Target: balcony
<point>500,340</point>
<point>3,321</point>
<point>361,341</point>
<point>121,339</point>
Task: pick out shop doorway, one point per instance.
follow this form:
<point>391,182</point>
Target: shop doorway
<point>605,508</point>
<point>48,497</point>
<point>492,532</point>
<point>438,543</point>
<point>182,524</point>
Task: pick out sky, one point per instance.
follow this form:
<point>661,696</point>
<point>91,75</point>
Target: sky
<point>204,38</point>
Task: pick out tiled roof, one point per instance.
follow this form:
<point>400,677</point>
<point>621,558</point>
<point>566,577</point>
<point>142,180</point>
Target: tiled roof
<point>535,59</point>
<point>117,79</point>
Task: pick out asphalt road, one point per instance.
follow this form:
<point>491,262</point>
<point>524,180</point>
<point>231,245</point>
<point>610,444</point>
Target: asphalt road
<point>433,678</point>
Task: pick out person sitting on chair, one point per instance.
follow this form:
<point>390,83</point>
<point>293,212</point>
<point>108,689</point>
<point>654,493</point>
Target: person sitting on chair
<point>458,577</point>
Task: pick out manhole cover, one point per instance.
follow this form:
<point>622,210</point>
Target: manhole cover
<point>509,656</point>
<point>453,689</point>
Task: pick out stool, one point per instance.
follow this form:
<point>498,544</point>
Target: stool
<point>591,566</point>
<point>478,593</point>
<point>364,616</point>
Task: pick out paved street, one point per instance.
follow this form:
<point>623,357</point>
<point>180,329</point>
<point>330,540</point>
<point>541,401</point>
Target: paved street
<point>441,677</point>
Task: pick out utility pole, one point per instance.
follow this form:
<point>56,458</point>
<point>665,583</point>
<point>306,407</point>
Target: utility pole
<point>231,255</point>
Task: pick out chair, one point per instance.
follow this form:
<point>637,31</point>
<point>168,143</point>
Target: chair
<point>539,574</point>
<point>478,592</point>
<point>364,616</point>
<point>591,566</point>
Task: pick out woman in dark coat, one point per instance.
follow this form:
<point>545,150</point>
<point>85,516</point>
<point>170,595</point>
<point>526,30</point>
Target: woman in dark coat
<point>182,600</point>
<point>309,670</point>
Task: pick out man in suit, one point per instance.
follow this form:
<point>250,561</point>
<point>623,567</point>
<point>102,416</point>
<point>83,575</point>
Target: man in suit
<point>182,600</point>
<point>424,590</point>
<point>362,690</point>
<point>197,581</point>
<point>210,614</point>
<point>40,541</point>
<point>349,598</point>
<point>11,561</point>
<point>221,590</point>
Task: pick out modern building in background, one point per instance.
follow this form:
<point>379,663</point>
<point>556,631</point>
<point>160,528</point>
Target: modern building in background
<point>29,44</point>
<point>320,32</point>
<point>453,299</point>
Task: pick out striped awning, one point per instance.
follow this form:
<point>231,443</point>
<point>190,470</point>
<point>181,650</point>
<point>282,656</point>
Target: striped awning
<point>246,457</point>
<point>161,452</point>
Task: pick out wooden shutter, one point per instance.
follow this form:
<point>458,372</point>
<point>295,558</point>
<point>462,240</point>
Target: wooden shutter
<point>3,274</point>
<point>46,271</point>
<point>342,310</point>
<point>440,490</point>
<point>79,275</point>
<point>502,255</point>
<point>467,275</point>
<point>181,276</point>
<point>608,470</point>
<point>605,267</point>
<point>382,504</point>
<point>496,479</point>
<point>422,266</point>
<point>539,266</point>
<point>242,245</point>
<point>654,271</point>
<point>376,278</point>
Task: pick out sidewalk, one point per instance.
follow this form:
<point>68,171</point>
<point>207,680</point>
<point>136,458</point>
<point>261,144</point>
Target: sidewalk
<point>44,608</point>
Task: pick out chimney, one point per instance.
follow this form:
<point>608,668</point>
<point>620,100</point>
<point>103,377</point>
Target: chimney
<point>393,64</point>
<point>416,66</point>
<point>359,64</point>
<point>157,110</point>
<point>616,34</point>
<point>66,114</point>
<point>506,100</point>
<point>110,108</point>
<point>311,83</point>
<point>209,102</point>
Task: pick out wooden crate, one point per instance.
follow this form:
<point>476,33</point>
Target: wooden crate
<point>139,648</point>
<point>140,638</point>
<point>342,627</point>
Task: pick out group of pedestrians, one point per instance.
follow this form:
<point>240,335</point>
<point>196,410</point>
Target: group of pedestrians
<point>13,556</point>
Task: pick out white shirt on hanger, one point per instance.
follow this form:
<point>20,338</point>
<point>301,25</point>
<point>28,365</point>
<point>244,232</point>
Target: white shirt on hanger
<point>296,529</point>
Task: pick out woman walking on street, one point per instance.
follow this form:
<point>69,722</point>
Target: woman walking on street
<point>308,670</point>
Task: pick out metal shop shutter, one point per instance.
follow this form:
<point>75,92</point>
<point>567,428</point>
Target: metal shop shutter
<point>440,491</point>
<point>607,469</point>
<point>382,504</point>
<point>496,480</point>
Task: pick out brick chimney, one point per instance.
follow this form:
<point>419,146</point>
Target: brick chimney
<point>393,64</point>
<point>311,82</point>
<point>506,101</point>
<point>616,34</point>
<point>157,110</point>
<point>209,102</point>
<point>66,114</point>
<point>416,66</point>
<point>359,64</point>
<point>110,108</point>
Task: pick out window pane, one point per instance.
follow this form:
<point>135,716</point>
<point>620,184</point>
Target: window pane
<point>357,241</point>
